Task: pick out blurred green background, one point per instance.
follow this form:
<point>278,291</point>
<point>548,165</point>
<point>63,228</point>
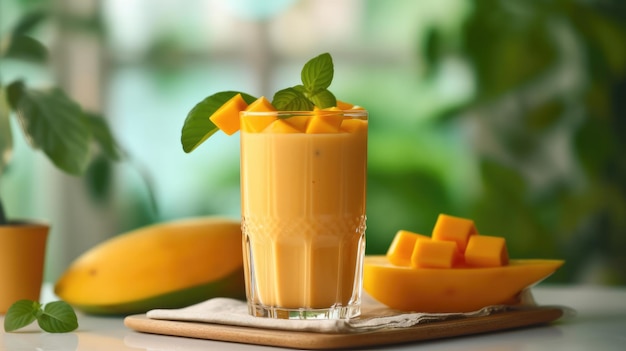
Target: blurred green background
<point>512,113</point>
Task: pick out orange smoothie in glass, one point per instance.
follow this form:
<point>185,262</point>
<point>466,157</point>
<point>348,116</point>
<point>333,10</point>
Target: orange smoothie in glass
<point>303,212</point>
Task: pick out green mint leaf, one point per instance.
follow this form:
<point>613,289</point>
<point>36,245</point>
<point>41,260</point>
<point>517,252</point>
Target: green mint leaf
<point>58,317</point>
<point>323,99</point>
<point>317,73</point>
<point>54,123</point>
<point>21,314</point>
<point>300,88</point>
<point>291,99</point>
<point>198,127</point>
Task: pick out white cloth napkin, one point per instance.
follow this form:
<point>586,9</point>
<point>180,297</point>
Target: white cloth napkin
<point>375,316</point>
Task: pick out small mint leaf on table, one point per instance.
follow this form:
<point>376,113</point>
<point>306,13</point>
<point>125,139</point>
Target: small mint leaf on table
<point>21,314</point>
<point>58,317</point>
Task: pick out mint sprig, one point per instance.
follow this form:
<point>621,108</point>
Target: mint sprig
<point>292,99</point>
<point>55,317</point>
<point>316,76</point>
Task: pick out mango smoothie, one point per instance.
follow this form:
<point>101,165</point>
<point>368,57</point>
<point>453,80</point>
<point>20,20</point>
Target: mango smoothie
<point>303,213</point>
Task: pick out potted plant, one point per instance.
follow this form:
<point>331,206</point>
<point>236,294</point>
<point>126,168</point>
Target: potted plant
<point>55,124</point>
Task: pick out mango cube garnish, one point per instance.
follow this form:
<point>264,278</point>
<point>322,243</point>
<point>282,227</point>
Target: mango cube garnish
<point>342,105</point>
<point>226,117</point>
<point>353,125</point>
<point>261,104</point>
<point>257,124</point>
<point>325,121</point>
<point>280,126</point>
<point>299,122</point>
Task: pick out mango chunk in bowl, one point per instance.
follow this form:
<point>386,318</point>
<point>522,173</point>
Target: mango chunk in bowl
<point>463,289</point>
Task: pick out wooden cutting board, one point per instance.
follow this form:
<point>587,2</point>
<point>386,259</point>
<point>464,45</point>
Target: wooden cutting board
<point>318,341</point>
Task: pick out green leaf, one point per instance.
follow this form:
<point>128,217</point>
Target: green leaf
<point>14,93</point>
<point>291,99</point>
<point>6,138</point>
<point>103,136</point>
<point>323,99</point>
<point>25,48</point>
<point>58,317</point>
<point>198,127</point>
<point>54,123</point>
<point>29,21</point>
<point>98,178</point>
<point>317,73</point>
<point>21,314</point>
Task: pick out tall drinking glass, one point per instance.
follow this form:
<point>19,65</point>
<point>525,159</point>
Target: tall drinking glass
<point>303,180</point>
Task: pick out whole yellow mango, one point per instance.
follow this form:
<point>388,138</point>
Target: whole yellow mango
<point>165,265</point>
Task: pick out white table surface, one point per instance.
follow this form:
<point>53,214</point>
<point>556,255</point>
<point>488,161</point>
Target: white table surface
<point>598,325</point>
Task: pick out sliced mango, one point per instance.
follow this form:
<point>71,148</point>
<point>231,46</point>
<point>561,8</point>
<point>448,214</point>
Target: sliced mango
<point>451,228</point>
<point>261,104</point>
<point>342,105</point>
<point>324,123</point>
<point>299,122</point>
<point>332,109</point>
<point>280,126</point>
<point>319,121</point>
<point>256,124</point>
<point>326,120</point>
<point>226,118</point>
<point>401,248</point>
<point>486,251</point>
<point>429,253</point>
<point>451,290</point>
<point>353,125</point>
